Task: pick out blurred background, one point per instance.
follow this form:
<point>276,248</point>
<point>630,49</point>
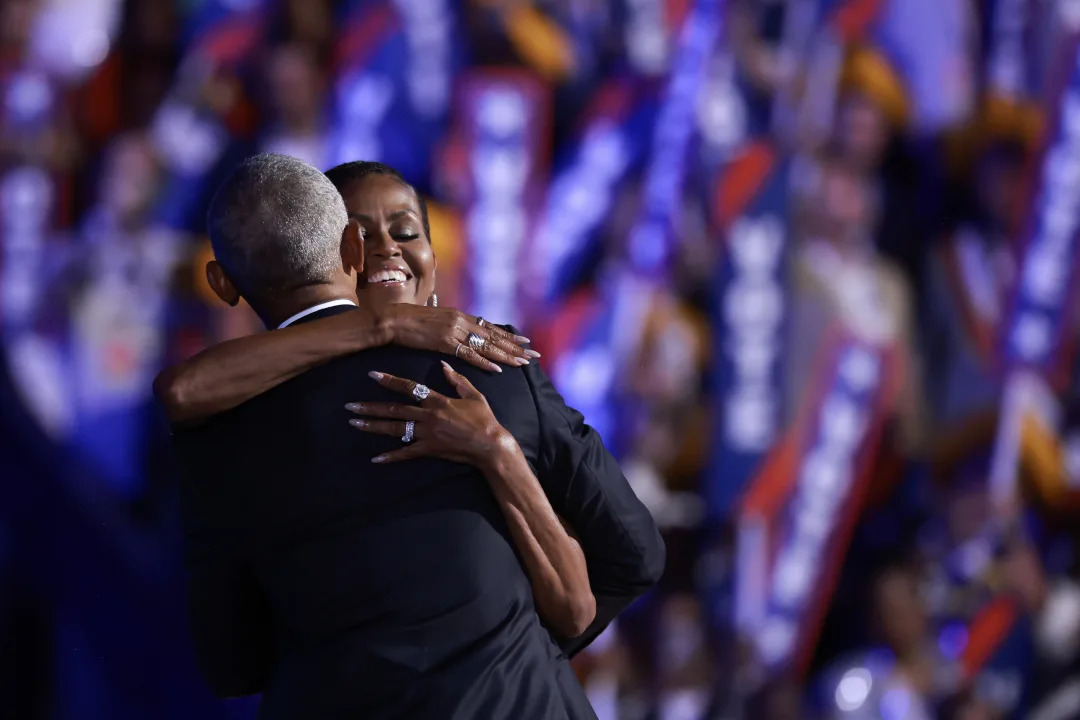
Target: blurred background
<point>809,266</point>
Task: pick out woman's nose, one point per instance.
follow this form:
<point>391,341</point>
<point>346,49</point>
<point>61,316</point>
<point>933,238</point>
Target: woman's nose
<point>381,244</point>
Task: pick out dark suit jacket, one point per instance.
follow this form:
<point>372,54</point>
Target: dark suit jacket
<point>342,588</point>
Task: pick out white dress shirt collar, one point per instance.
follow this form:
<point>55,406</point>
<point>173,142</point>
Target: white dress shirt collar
<point>314,309</point>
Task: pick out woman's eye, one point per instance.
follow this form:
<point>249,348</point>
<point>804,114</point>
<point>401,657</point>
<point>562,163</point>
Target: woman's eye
<point>406,237</point>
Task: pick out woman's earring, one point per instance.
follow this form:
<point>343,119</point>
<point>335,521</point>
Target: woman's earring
<point>433,300</point>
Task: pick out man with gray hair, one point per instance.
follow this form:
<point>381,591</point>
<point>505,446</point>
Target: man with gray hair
<point>343,588</point>
<point>282,238</point>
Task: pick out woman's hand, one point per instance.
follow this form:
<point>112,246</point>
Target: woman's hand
<point>447,330</point>
<point>462,429</point>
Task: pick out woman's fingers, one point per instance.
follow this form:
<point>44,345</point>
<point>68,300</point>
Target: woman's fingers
<point>387,410</point>
<point>509,342</point>
<point>466,353</point>
<point>497,331</point>
<point>409,452</point>
<point>498,346</point>
<point>394,428</point>
<point>465,389</point>
<point>503,351</point>
<point>401,385</point>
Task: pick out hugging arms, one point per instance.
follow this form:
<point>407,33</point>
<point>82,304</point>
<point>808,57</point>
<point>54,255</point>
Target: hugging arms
<point>582,576</point>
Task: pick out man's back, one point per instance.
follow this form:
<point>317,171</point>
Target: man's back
<point>392,590</point>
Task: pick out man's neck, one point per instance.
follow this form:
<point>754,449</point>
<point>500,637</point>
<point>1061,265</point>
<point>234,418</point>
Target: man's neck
<point>302,299</point>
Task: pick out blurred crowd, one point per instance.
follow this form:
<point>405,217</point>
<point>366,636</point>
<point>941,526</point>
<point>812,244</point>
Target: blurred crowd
<point>783,254</point>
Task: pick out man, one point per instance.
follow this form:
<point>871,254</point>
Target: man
<point>342,588</point>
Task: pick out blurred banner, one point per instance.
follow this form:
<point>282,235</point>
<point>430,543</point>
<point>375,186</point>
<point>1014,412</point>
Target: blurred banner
<point>31,203</point>
<point>27,203</point>
<point>1038,337</point>
<point>225,32</point>
<point>657,233</point>
<point>997,653</point>
<point>190,131</point>
<point>396,64</point>
<point>32,213</point>
<point>577,349</point>
<point>1009,70</point>
<point>648,27</point>
<point>797,519</point>
<point>634,278</point>
<point>750,206</point>
<point>501,142</point>
<point>611,141</point>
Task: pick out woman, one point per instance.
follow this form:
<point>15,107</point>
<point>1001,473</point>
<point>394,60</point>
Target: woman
<point>226,375</point>
<point>399,276</point>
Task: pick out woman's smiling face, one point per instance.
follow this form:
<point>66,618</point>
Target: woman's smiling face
<point>399,265</point>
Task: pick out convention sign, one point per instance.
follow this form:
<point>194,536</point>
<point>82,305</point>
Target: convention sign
<point>191,137</point>
<point>654,237</point>
<point>501,136</point>
<point>750,317</point>
<point>610,143</point>
<point>395,66</point>
<point>1038,338</point>
<point>798,516</point>
<point>1039,333</point>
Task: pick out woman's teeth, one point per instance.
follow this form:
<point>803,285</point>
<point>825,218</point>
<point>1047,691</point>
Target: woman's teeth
<point>387,276</point>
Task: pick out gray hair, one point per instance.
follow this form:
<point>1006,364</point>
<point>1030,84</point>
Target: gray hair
<point>276,224</point>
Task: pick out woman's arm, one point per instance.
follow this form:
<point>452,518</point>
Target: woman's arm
<point>553,558</point>
<point>465,430</point>
<point>226,375</point>
<point>621,542</point>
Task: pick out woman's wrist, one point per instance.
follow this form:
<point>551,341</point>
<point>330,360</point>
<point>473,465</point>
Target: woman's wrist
<point>499,455</point>
<point>380,327</point>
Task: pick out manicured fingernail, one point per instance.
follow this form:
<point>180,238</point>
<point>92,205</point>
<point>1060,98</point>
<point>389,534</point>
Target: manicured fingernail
<point>375,375</point>
<point>496,368</point>
<point>532,353</point>
<point>447,366</point>
<point>358,423</point>
<point>354,407</point>
<point>378,459</point>
<point>522,340</point>
<point>520,361</point>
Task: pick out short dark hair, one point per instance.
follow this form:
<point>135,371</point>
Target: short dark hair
<point>345,174</point>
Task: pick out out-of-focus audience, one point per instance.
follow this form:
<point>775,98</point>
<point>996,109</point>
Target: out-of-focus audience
<point>888,213</point>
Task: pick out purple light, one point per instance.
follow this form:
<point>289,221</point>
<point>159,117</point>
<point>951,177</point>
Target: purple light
<point>952,640</point>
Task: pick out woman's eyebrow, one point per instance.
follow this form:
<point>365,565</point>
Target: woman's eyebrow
<point>392,216</point>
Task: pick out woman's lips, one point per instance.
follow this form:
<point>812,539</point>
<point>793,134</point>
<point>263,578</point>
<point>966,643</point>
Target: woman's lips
<point>388,276</point>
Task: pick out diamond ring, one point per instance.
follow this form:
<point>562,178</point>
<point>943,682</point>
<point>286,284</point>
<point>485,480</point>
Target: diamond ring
<point>410,431</point>
<point>480,321</point>
<point>420,392</point>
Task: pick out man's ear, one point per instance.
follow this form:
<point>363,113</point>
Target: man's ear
<point>352,248</point>
<point>221,284</point>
